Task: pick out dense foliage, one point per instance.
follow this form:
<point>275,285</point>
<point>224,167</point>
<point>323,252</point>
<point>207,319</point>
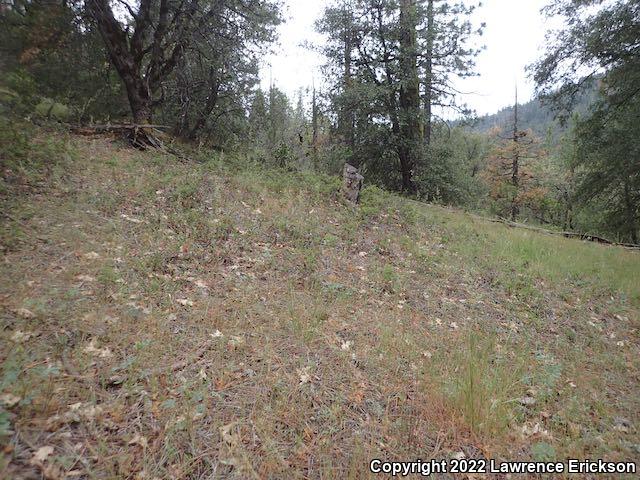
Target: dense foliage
<point>187,64</point>
<point>600,41</point>
<point>389,64</point>
<point>568,159</point>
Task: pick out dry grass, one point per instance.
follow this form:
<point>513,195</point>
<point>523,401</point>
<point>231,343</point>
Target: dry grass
<point>222,320</point>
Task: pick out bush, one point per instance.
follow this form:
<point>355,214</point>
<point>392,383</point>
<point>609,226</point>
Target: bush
<point>373,201</point>
<point>22,90</point>
<point>26,155</point>
<point>51,109</point>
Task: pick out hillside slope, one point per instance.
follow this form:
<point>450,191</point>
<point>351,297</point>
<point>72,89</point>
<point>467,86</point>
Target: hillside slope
<point>535,115</point>
<point>224,320</point>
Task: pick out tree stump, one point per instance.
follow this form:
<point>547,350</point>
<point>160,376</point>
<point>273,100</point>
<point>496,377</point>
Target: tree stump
<point>352,183</point>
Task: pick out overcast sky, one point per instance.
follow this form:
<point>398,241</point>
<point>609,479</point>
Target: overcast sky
<point>514,37</point>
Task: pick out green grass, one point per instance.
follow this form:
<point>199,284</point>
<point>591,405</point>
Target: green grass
<point>245,320</point>
<point>487,385</point>
<point>549,257</point>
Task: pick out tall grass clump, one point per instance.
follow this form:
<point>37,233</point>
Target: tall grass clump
<point>485,385</point>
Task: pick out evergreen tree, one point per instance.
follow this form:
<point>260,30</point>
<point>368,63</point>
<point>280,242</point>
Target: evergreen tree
<point>601,38</point>
<point>389,59</point>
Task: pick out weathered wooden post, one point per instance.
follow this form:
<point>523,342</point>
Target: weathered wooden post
<point>352,183</point>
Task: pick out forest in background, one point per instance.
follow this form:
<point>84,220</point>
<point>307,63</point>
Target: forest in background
<point>193,66</point>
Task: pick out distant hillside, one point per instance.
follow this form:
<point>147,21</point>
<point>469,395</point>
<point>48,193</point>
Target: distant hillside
<point>532,115</point>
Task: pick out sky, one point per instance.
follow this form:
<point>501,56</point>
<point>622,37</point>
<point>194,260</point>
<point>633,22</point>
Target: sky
<point>514,37</point>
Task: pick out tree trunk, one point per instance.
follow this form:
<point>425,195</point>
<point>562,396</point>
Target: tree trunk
<point>210,104</point>
<point>117,44</point>
<point>314,127</point>
<point>515,163</point>
<point>410,141</point>
<point>428,74</point>
<point>351,183</point>
<point>630,211</point>
<point>127,51</point>
<point>140,109</point>
<point>347,126</point>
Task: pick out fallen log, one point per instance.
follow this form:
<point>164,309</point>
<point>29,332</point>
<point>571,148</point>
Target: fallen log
<point>582,236</point>
<point>142,137</point>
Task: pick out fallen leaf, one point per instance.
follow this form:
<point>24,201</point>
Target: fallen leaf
<point>139,440</point>
<point>19,336</point>
<point>9,400</point>
<point>25,313</point>
<point>304,375</point>
<point>131,219</point>
<point>235,342</point>
<point>346,345</point>
<point>227,436</point>
<point>85,278</point>
<point>41,456</point>
<point>99,352</point>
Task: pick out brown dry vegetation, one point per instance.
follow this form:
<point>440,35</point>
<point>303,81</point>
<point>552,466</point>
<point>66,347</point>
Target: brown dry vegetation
<point>224,320</point>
